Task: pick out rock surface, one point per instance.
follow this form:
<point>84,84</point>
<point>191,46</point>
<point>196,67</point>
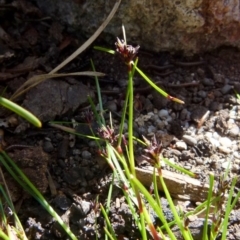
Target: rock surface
<point>54,98</point>
<point>189,26</point>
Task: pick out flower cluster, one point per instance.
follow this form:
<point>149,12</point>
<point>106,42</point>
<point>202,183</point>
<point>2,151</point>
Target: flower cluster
<point>128,52</point>
<point>153,150</point>
<point>107,133</point>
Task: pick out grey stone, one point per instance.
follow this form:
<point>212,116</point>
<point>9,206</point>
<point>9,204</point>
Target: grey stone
<point>76,152</point>
<point>85,206</point>
<point>167,25</point>
<point>55,98</point>
<point>48,147</point>
<point>226,142</point>
<point>226,89</point>
<point>214,142</point>
<point>163,114</point>
<point>151,129</point>
<point>224,150</point>
<point>63,147</point>
<point>215,106</point>
<point>202,94</point>
<point>198,113</point>
<point>208,82</point>
<point>190,140</point>
<point>62,202</point>
<point>233,130</point>
<point>184,114</point>
<point>159,101</point>
<point>181,145</point>
<point>111,106</point>
<point>86,154</point>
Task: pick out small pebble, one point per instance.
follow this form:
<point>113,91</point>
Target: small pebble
<point>198,113</point>
<point>155,117</point>
<point>85,207</point>
<point>48,147</point>
<point>163,114</point>
<point>63,147</point>
<point>181,145</point>
<point>208,82</point>
<point>142,131</point>
<point>148,105</point>
<point>235,168</point>
<point>217,93</point>
<point>214,142</point>
<point>189,140</point>
<point>169,119</point>
<point>160,124</point>
<point>215,106</point>
<point>208,134</point>
<point>173,115</point>
<point>93,143</point>
<point>62,202</point>
<point>176,152</point>
<point>188,167</point>
<point>125,126</point>
<point>226,89</point>
<point>151,129</point>
<point>178,107</point>
<point>224,149</point>
<point>111,106</point>
<point>216,135</point>
<point>76,152</point>
<point>196,99</point>
<point>236,154</point>
<point>234,130</point>
<point>202,94</point>
<point>86,154</point>
<point>219,78</point>
<point>225,141</point>
<point>199,161</point>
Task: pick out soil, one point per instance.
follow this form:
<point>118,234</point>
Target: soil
<point>68,170</point>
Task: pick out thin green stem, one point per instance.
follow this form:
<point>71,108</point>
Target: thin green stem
<point>4,158</point>
<point>185,232</point>
<point>108,222</point>
<point>228,209</point>
<point>123,117</point>
<point>130,123</point>
<point>179,168</point>
<point>3,235</point>
<point>205,228</point>
<point>20,111</point>
<point>151,83</point>
<point>99,95</point>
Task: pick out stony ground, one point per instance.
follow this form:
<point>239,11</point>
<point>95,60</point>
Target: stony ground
<point>201,135</point>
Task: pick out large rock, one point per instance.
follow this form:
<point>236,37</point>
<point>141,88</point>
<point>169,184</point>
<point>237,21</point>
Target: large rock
<point>190,26</point>
<point>56,98</point>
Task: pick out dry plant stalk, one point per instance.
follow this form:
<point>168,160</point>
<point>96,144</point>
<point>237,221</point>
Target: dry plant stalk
<point>179,186</point>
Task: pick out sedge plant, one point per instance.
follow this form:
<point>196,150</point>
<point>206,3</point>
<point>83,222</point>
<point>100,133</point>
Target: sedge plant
<point>119,154</point>
<point>132,188</point>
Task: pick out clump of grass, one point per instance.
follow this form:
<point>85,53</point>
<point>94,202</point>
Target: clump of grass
<point>119,154</point>
<point>16,231</point>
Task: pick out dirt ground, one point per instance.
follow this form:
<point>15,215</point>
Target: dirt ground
<point>68,170</point>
